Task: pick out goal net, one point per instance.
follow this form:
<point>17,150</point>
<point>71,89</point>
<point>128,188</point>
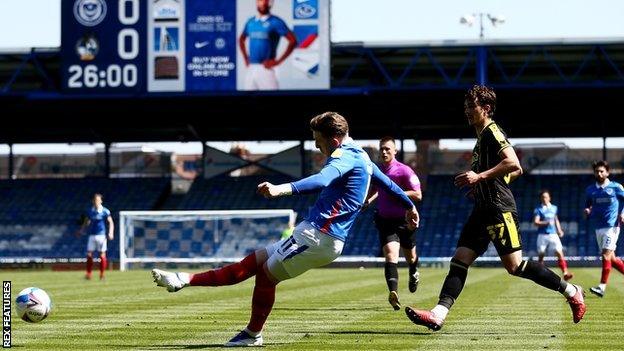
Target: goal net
<point>148,237</point>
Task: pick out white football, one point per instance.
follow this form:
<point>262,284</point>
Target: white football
<point>33,304</point>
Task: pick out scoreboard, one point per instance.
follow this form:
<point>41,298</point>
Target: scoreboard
<point>143,46</point>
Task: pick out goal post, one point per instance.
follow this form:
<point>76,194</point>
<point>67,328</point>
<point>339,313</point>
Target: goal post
<point>197,236</point>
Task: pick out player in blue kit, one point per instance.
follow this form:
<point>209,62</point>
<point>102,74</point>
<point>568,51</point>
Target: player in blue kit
<point>549,232</point>
<point>605,208</point>
<point>343,183</point>
<point>95,220</point>
<point>264,32</point>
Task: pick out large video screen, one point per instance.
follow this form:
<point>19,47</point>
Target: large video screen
<point>124,46</point>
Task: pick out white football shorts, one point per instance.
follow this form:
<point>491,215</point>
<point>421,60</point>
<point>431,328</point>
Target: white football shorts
<point>97,243</point>
<point>258,77</point>
<point>607,238</point>
<point>305,249</point>
<point>548,241</point>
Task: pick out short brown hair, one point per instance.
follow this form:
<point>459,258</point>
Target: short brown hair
<point>98,195</point>
<point>386,139</point>
<point>601,163</point>
<point>330,124</point>
<point>483,96</point>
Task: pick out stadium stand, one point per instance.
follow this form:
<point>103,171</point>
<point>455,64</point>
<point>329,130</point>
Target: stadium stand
<point>39,217</point>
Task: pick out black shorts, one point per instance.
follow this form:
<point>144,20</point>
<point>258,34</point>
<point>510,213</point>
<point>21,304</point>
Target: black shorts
<point>394,229</point>
<point>485,225</point>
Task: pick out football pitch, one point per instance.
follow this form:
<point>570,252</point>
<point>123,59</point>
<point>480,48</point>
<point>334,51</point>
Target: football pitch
<point>324,309</point>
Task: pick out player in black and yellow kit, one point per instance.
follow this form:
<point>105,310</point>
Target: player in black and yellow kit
<point>494,217</point>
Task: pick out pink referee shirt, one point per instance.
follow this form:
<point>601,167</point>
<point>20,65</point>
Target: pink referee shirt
<point>406,179</point>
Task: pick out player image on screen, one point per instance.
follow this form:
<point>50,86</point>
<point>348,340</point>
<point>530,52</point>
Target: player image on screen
<point>394,233</point>
<point>95,222</point>
<point>264,31</point>
<point>549,232</point>
<point>605,208</point>
<point>318,240</point>
<point>494,217</point>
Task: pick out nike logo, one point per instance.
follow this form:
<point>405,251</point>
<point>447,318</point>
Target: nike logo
<point>200,44</point>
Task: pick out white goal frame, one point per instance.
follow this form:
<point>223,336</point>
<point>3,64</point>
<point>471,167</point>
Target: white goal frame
<point>124,216</point>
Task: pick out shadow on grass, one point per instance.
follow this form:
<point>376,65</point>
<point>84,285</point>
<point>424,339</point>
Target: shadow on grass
<point>183,347</point>
<point>329,309</point>
<point>367,332</point>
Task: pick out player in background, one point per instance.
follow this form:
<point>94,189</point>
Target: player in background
<point>317,241</point>
<point>290,228</point>
<point>95,220</point>
<point>494,217</point>
<point>264,31</point>
<point>394,233</point>
<point>549,232</point>
<point>605,209</point>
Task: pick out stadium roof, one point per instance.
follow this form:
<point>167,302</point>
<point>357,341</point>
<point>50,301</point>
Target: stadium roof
<point>405,91</point>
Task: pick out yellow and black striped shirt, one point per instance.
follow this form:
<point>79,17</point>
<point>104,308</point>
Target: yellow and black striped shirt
<point>492,193</point>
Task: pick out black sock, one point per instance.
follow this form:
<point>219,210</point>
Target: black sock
<point>392,276</point>
<point>413,267</point>
<point>540,275</point>
<point>454,283</point>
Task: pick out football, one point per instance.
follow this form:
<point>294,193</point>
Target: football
<point>33,305</point>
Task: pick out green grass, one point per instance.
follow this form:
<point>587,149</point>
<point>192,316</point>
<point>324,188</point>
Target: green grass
<point>325,309</point>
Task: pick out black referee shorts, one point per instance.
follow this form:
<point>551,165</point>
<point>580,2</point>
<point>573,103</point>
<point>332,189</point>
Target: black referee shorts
<point>394,229</point>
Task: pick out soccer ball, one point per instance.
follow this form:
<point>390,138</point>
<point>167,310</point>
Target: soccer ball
<point>33,305</point>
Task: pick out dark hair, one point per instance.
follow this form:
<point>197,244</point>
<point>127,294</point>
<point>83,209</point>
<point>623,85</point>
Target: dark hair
<point>601,163</point>
<point>544,191</point>
<point>386,139</point>
<point>98,195</point>
<point>330,124</point>
<point>483,96</point>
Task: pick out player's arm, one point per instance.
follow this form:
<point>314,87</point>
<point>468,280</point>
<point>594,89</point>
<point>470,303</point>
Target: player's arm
<point>371,197</point>
<point>508,166</point>
<point>538,223</point>
<point>306,185</point>
<point>558,226</point>
<point>242,44</point>
<point>111,227</point>
<point>588,206</point>
<point>292,42</point>
<point>619,194</point>
<point>382,181</point>
<point>85,223</point>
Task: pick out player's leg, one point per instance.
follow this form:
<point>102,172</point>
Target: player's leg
<point>262,302</point>
<point>507,240</point>
<point>545,277</point>
<point>473,241</point>
<point>227,275</point>
<point>411,257</point>
<point>89,264</point>
<point>452,287</point>
<point>606,238</point>
<point>91,246</point>
<point>307,248</point>
<point>101,248</point>
<point>391,272</point>
<point>541,248</point>
<point>615,261</point>
<point>561,261</point>
<point>389,240</point>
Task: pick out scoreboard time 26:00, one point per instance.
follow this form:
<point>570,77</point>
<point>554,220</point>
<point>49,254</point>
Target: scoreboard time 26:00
<point>103,42</point>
